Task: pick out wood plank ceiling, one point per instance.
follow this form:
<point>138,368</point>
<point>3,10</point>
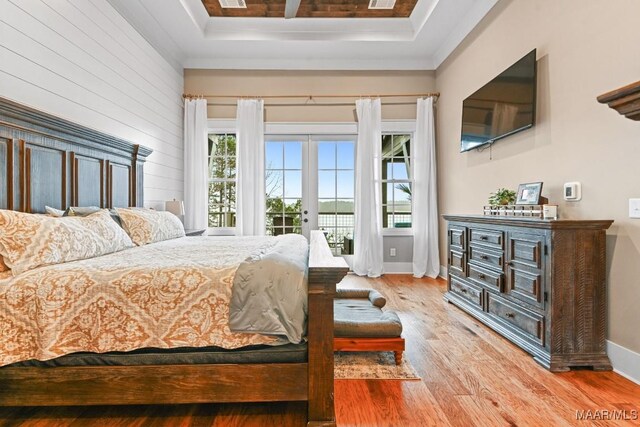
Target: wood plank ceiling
<point>312,9</point>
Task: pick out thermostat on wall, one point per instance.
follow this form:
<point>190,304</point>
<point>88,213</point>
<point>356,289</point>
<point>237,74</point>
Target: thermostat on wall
<point>572,191</point>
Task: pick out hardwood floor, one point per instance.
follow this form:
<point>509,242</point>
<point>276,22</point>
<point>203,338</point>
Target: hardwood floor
<point>470,377</point>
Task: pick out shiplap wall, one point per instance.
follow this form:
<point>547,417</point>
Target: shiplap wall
<point>82,61</point>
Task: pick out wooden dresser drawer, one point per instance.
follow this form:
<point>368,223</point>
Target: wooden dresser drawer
<point>490,238</point>
<point>457,263</point>
<point>526,249</point>
<point>484,277</point>
<point>525,285</point>
<point>467,291</point>
<point>527,322</point>
<point>486,258</point>
<point>457,238</point>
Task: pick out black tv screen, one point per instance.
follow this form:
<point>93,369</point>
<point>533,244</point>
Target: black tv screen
<point>502,107</point>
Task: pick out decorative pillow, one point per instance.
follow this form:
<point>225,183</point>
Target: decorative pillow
<point>88,210</point>
<point>149,226</point>
<point>28,241</point>
<point>53,211</point>
<point>81,210</point>
<point>3,266</point>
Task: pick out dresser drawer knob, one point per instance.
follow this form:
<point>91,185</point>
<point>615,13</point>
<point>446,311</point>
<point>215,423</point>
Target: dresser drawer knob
<point>484,257</point>
<point>464,291</point>
<point>484,238</point>
<point>510,314</point>
<point>481,276</point>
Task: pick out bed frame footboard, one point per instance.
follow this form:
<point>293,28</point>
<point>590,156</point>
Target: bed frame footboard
<point>325,271</point>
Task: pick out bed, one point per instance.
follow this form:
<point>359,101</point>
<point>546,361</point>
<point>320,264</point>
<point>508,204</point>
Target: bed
<point>50,161</point>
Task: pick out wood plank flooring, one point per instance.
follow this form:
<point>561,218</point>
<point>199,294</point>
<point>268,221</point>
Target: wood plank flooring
<point>470,377</point>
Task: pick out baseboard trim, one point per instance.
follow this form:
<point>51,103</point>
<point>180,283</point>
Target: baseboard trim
<point>625,362</point>
<point>443,272</point>
<point>398,268</point>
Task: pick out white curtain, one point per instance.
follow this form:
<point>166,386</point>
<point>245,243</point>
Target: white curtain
<point>250,187</point>
<point>368,250</point>
<point>196,173</point>
<point>426,257</point>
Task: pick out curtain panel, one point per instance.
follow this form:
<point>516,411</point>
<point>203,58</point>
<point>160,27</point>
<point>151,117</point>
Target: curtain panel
<point>368,249</point>
<point>250,186</point>
<point>196,170</point>
<point>426,256</point>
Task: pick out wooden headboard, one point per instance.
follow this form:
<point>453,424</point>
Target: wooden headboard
<point>45,160</point>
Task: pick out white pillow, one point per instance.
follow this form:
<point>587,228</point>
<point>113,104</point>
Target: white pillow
<point>53,211</point>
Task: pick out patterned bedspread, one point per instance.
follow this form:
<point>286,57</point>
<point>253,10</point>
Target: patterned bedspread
<point>166,295</point>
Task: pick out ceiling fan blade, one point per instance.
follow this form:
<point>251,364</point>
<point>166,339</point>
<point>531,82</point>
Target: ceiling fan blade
<point>291,9</point>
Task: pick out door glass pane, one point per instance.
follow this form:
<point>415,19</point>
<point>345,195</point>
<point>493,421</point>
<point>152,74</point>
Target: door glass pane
<point>274,183</point>
<point>326,155</point>
<point>293,155</point>
<point>283,184</point>
<point>327,184</point>
<point>274,155</point>
<point>345,184</point>
<point>336,163</point>
<point>293,184</point>
<point>345,157</point>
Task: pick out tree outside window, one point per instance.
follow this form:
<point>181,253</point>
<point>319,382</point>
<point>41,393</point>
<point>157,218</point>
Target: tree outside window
<point>222,180</point>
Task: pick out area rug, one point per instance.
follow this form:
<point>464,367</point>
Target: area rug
<point>379,365</point>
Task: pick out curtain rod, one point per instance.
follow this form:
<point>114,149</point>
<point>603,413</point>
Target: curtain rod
<point>312,97</point>
<point>305,104</point>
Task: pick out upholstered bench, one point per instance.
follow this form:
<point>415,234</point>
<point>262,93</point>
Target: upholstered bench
<point>361,325</point>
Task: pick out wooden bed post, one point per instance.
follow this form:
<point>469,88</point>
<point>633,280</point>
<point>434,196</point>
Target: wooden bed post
<point>325,271</point>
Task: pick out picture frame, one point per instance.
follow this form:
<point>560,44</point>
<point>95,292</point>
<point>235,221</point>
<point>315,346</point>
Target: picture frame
<point>529,193</point>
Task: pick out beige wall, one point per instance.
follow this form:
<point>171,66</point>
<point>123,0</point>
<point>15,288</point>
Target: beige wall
<point>585,48</point>
<point>261,83</point>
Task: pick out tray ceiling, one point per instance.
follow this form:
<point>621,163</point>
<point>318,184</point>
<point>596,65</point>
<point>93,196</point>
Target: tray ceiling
<point>312,9</point>
<point>184,33</point>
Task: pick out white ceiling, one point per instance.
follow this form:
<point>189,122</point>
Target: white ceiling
<point>183,32</point>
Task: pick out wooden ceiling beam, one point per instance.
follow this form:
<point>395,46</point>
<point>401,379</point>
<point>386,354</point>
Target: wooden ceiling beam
<point>312,9</point>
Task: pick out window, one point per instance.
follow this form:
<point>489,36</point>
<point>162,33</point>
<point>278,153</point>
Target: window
<point>336,164</point>
<point>396,180</point>
<point>222,180</point>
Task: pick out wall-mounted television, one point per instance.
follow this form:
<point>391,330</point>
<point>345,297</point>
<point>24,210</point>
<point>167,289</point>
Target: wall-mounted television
<point>502,107</point>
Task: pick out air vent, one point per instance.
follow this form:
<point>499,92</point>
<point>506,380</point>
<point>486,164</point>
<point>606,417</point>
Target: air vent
<point>382,4</point>
<point>233,4</point>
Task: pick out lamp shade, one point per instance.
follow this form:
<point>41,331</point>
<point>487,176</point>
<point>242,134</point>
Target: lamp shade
<point>176,207</point>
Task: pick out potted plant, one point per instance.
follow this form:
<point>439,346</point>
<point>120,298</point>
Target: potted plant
<point>502,196</point>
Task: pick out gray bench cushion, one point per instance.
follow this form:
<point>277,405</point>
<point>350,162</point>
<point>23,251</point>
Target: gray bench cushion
<point>359,318</point>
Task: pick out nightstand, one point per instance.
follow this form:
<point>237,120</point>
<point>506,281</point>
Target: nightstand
<point>194,232</point>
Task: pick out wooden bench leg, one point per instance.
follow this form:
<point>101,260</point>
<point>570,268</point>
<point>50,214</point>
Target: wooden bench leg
<point>398,357</point>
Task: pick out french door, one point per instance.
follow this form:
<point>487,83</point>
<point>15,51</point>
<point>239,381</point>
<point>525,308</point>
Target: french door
<point>310,185</point>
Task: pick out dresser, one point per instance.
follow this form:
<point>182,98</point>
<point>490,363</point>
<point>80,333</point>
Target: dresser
<point>539,283</point>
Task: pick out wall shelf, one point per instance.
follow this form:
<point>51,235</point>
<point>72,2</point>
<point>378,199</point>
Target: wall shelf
<point>625,100</point>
